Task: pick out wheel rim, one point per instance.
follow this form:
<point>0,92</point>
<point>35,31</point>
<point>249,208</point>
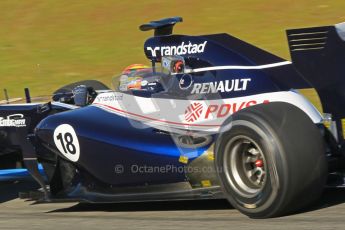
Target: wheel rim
<point>245,166</point>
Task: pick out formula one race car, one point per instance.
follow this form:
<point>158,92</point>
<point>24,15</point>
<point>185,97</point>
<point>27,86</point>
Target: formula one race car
<point>213,117</point>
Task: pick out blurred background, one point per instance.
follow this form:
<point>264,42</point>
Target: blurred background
<point>45,44</point>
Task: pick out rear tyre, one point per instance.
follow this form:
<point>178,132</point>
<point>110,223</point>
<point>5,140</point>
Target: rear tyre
<point>272,160</point>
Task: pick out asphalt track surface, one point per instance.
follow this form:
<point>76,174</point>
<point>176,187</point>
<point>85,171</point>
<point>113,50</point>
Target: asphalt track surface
<point>15,213</point>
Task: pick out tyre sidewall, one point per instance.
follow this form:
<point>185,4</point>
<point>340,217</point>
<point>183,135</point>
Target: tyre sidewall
<point>270,197</point>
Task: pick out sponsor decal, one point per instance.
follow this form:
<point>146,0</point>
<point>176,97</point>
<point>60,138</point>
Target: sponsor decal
<point>194,111</point>
<point>183,48</point>
<point>109,98</point>
<point>233,85</point>
<point>14,120</point>
<point>186,82</point>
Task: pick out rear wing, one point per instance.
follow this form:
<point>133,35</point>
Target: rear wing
<point>319,55</point>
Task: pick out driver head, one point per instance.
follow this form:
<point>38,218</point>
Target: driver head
<point>178,67</point>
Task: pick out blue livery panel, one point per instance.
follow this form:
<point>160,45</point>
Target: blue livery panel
<point>108,141</point>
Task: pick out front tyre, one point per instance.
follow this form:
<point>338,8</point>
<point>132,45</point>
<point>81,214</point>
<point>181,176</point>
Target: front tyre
<point>271,162</point>
<point>61,174</point>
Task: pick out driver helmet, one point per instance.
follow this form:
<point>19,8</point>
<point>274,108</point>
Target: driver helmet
<point>130,78</point>
<point>135,68</point>
<point>178,67</point>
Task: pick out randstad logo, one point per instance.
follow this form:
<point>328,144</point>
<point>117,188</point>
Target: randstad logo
<point>177,50</point>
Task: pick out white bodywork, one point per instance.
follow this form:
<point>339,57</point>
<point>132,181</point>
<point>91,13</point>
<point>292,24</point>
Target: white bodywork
<point>193,115</point>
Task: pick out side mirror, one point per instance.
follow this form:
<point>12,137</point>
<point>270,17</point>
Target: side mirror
<point>80,95</point>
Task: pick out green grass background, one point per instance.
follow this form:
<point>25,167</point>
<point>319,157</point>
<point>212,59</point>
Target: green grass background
<point>45,44</point>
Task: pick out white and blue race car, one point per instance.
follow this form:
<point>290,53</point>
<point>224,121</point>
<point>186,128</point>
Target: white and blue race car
<point>213,117</point>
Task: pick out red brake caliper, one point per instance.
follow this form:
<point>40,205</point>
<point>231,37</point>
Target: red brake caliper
<point>259,163</point>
